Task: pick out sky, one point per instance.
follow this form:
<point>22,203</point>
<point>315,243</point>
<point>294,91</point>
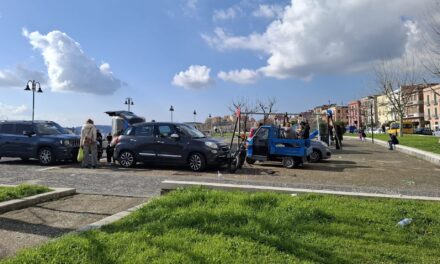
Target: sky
<point>89,56</point>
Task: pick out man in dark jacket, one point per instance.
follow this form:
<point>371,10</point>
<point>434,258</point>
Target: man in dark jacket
<point>393,141</point>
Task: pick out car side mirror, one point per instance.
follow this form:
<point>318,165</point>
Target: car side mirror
<point>28,133</point>
<point>174,136</point>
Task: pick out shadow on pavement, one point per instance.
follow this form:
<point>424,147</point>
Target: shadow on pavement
<point>30,228</point>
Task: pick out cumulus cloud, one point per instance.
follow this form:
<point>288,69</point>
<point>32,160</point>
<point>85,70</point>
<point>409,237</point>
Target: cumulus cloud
<point>268,11</point>
<point>12,112</point>
<point>19,76</point>
<point>195,77</point>
<point>69,68</point>
<point>225,14</point>
<point>243,76</point>
<point>327,36</point>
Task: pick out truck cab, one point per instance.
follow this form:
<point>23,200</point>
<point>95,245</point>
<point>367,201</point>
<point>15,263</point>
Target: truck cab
<point>270,144</point>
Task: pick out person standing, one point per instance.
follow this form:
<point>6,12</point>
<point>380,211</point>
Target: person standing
<point>88,143</point>
<point>393,141</point>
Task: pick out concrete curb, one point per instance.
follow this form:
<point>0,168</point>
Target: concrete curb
<point>425,155</point>
<point>110,219</point>
<point>36,199</point>
<point>168,185</point>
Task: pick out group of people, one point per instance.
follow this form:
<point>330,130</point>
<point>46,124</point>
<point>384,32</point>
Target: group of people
<point>91,140</point>
<point>302,132</point>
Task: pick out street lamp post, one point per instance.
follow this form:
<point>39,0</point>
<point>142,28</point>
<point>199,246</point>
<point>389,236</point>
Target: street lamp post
<point>371,118</point>
<point>195,114</point>
<point>210,123</point>
<point>128,102</point>
<point>171,111</point>
<point>33,89</point>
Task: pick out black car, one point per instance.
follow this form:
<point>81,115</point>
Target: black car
<point>43,140</point>
<point>170,143</point>
<point>423,131</point>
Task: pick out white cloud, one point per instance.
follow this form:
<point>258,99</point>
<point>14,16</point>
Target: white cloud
<point>19,76</point>
<point>268,11</point>
<point>12,112</point>
<point>69,68</point>
<point>327,36</point>
<point>195,77</point>
<point>225,14</point>
<point>243,76</point>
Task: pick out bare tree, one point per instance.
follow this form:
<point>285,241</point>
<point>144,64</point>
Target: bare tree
<point>245,107</point>
<point>267,107</point>
<point>397,79</point>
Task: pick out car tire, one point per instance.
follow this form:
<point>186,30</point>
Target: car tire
<point>46,156</point>
<point>127,159</point>
<point>288,162</point>
<point>250,161</point>
<point>315,156</point>
<point>197,162</point>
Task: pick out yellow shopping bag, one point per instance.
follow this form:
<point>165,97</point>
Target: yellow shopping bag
<point>80,156</point>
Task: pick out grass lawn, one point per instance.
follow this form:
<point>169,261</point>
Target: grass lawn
<point>206,226</point>
<point>426,143</point>
<point>20,191</point>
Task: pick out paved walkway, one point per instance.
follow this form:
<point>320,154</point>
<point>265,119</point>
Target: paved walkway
<point>36,224</point>
<point>361,166</point>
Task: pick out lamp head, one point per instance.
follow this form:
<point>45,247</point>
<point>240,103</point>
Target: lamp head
<point>39,90</point>
<point>27,88</point>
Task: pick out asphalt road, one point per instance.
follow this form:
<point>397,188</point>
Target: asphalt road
<point>360,166</point>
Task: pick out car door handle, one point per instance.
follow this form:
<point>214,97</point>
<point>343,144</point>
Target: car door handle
<point>132,140</point>
<point>160,142</point>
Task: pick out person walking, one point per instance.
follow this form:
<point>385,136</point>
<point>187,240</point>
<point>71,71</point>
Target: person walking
<point>88,143</point>
<point>393,141</point>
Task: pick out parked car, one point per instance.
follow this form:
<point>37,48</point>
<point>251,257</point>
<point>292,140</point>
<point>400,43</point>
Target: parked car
<point>320,151</point>
<point>436,133</point>
<point>169,143</point>
<point>43,140</point>
<point>375,130</point>
<point>423,131</point>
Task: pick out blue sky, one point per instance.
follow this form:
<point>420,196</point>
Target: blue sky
<point>91,55</point>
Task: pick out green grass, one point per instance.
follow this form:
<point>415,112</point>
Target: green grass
<point>426,143</point>
<point>20,191</point>
<point>206,226</point>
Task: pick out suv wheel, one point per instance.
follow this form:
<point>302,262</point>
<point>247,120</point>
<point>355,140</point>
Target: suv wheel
<point>315,156</point>
<point>196,162</point>
<point>46,156</point>
<point>127,159</point>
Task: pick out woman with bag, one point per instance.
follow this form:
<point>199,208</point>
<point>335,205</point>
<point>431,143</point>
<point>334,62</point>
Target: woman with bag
<point>88,143</point>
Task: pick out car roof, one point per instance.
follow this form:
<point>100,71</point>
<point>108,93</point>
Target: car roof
<point>158,123</point>
<point>25,122</point>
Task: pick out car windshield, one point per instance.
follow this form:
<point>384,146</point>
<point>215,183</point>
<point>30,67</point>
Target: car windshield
<point>191,131</point>
<point>50,129</point>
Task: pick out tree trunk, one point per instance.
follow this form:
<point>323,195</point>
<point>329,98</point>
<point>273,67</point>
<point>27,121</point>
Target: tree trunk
<point>401,126</point>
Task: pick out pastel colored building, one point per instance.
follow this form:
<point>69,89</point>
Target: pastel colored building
<point>431,97</point>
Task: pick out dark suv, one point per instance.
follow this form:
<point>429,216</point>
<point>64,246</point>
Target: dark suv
<point>170,143</point>
<point>43,140</point>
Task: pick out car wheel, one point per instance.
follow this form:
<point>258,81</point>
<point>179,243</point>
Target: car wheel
<point>288,162</point>
<point>315,156</point>
<point>250,161</point>
<point>127,159</point>
<point>46,156</point>
<point>196,162</point>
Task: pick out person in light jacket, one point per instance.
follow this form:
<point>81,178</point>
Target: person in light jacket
<point>88,143</point>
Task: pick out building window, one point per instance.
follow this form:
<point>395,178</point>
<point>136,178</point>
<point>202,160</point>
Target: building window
<point>436,113</point>
<point>429,113</point>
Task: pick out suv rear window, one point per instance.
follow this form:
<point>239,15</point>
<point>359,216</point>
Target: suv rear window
<point>7,128</point>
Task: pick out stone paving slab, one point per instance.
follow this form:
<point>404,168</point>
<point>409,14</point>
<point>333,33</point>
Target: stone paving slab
<point>37,224</point>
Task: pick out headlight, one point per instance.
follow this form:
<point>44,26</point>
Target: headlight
<point>65,142</point>
<point>211,145</point>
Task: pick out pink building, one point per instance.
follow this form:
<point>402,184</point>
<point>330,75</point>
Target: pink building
<point>354,114</point>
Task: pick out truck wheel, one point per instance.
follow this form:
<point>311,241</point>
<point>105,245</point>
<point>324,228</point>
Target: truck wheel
<point>250,161</point>
<point>288,162</point>
<point>315,156</point>
<point>197,162</point>
<point>127,159</point>
<point>46,156</point>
